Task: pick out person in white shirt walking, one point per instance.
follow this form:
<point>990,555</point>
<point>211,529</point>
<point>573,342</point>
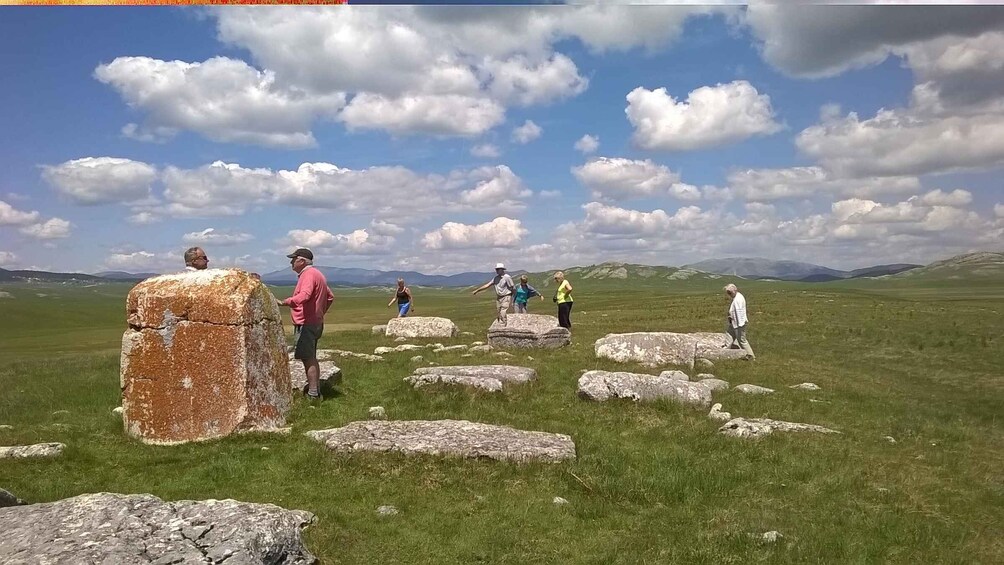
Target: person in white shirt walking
<point>738,321</point>
<point>504,289</point>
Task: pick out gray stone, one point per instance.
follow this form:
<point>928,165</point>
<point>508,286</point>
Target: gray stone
<point>754,389</point>
<point>675,375</point>
<point>481,349</point>
<point>448,437</point>
<point>396,349</point>
<point>503,354</point>
<point>806,386</point>
<point>7,498</point>
<point>377,413</point>
<point>26,451</point>
<point>474,343</point>
<point>702,364</point>
<point>558,501</point>
<point>715,347</point>
<point>486,377</point>
<point>650,349</point>
<point>528,330</point>
<point>379,330</point>
<point>117,410</point>
<point>421,326</point>
<point>137,529</point>
<point>715,384</point>
<point>890,439</point>
<point>400,339</point>
<point>416,358</point>
<point>771,537</point>
<point>466,333</point>
<point>604,385</point>
<point>6,427</point>
<point>387,510</point>
<point>703,376</point>
<point>298,377</point>
<point>449,348</point>
<point>341,353</point>
<point>758,427</point>
<point>717,414</point>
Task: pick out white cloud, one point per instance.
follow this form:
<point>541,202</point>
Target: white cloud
<point>7,258</point>
<point>358,242</point>
<point>620,179</point>
<point>151,134</point>
<point>146,261</point>
<point>217,189</point>
<point>587,144</point>
<point>486,151</point>
<point>143,218</point>
<point>210,236</point>
<point>53,228</point>
<point>711,116</point>
<point>498,186</point>
<point>381,227</point>
<point>622,223</point>
<point>500,232</point>
<point>999,210</point>
<point>440,115</point>
<point>957,198</point>
<point>807,182</point>
<point>223,99</point>
<point>549,193</point>
<point>11,216</point>
<point>527,83</point>
<point>101,180</point>
<point>527,132</point>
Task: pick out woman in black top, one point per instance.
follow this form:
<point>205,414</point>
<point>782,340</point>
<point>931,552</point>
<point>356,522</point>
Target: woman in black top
<point>403,298</point>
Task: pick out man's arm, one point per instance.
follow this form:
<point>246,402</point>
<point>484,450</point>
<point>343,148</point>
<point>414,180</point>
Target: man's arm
<point>329,299</point>
<point>483,287</point>
<point>301,294</point>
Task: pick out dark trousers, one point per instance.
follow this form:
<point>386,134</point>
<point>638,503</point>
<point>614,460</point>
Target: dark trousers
<point>564,311</point>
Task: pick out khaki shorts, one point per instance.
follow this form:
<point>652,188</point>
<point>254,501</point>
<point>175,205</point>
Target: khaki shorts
<point>306,341</point>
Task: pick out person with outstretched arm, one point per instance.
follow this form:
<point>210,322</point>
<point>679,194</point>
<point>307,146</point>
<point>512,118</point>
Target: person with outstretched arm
<point>524,292</point>
<point>504,289</point>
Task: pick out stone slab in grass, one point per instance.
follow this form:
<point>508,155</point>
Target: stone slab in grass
<point>754,389</point>
<point>141,528</point>
<point>379,329</point>
<point>421,326</point>
<point>329,372</point>
<point>528,331</point>
<point>486,377</point>
<point>605,385</point>
<point>51,449</point>
<point>759,427</point>
<point>655,349</point>
<point>458,438</point>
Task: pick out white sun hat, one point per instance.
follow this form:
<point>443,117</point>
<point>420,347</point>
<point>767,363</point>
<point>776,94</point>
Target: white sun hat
<point>500,265</point>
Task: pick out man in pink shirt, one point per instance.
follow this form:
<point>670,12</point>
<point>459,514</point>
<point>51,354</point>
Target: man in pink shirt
<point>310,301</point>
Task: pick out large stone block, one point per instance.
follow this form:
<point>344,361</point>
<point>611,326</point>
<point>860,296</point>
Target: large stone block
<point>204,357</point>
<point>486,377</point>
<point>604,385</point>
<point>421,326</point>
<point>654,349</point>
<point>528,330</point>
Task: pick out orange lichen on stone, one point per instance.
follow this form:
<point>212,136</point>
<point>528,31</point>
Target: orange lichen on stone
<point>204,357</point>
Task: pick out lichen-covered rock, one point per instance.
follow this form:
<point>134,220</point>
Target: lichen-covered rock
<point>377,413</point>
<point>604,385</point>
<point>715,384</point>
<point>528,330</point>
<point>204,357</point>
<point>421,326</point>
<point>758,427</point>
<point>481,349</point>
<point>342,353</point>
<point>675,375</point>
<point>715,347</point>
<point>51,449</point>
<point>486,377</point>
<point>298,377</point>
<point>754,389</point>
<point>396,349</point>
<point>806,386</point>
<point>141,528</point>
<point>717,414</point>
<point>651,349</point>
<point>448,437</point>
<point>702,364</point>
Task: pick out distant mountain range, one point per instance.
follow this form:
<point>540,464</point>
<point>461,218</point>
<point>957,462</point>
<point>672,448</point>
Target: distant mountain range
<point>980,265</point>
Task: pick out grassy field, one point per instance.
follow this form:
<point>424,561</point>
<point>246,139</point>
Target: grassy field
<point>652,483</point>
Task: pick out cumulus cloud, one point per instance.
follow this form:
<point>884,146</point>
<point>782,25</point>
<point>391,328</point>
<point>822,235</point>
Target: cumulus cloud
<point>217,189</point>
<point>439,115</point>
<point>223,99</point>
<point>500,232</point>
<point>53,228</point>
<point>999,210</point>
<point>527,132</point>
<point>710,116</point>
<point>957,198</point>
<point>140,261</point>
<point>485,151</point>
<point>807,182</point>
<point>612,221</point>
<point>212,236</point>
<point>101,180</point>
<point>7,258</point>
<point>620,179</point>
<point>357,242</point>
<point>11,216</point>
<point>587,144</point>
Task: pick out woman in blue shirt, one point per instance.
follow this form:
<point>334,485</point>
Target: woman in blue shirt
<point>524,292</point>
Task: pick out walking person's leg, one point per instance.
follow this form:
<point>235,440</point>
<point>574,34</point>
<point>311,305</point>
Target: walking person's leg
<point>521,307</point>
<point>504,303</point>
<point>744,343</point>
<point>306,351</point>
<point>733,334</point>
<point>564,309</point>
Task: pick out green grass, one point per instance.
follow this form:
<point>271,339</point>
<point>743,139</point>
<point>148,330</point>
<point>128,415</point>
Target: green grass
<point>653,483</point>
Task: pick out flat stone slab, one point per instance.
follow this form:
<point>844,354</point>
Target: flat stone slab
<point>329,372</point>
<point>448,437</point>
<point>421,326</point>
<point>30,451</point>
<point>759,427</point>
<point>754,389</point>
<point>143,529</point>
<point>604,385</point>
<point>715,384</point>
<point>396,349</point>
<point>528,331</point>
<point>486,377</point>
<point>328,353</point>
<point>806,386</point>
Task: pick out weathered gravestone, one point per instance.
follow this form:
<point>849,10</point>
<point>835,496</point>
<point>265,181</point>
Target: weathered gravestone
<point>486,377</point>
<point>604,385</point>
<point>421,326</point>
<point>759,427</point>
<point>528,330</point>
<point>143,529</point>
<point>654,349</point>
<point>204,357</point>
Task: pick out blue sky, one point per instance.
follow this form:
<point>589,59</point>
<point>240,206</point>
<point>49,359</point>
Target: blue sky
<point>444,139</point>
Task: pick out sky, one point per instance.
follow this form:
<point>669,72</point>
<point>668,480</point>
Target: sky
<point>445,139</point>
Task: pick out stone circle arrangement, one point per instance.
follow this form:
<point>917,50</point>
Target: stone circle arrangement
<point>205,357</point>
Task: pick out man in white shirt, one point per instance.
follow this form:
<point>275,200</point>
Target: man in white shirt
<point>504,288</point>
<point>738,321</point>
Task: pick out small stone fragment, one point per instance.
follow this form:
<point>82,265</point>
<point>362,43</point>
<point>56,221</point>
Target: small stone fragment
<point>6,427</point>
<point>772,536</point>
<point>675,375</point>
<point>758,427</point>
<point>400,339</point>
<point>377,413</point>
<point>754,389</point>
<point>387,510</point>
<point>30,451</point>
<point>715,384</point>
<point>481,349</point>
<point>380,329</point>
<point>416,359</point>
<point>8,499</point>
<point>117,410</point>
<point>702,364</point>
<point>559,501</point>
<point>806,386</point>
<point>717,414</point>
<point>890,439</point>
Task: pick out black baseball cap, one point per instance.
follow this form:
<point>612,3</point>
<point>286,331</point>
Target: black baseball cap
<point>302,252</point>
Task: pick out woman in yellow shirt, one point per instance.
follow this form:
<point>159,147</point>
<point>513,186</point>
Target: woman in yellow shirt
<point>563,297</point>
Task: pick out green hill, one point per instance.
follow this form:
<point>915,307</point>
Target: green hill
<point>982,265</point>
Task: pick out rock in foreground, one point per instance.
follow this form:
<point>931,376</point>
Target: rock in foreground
<point>298,377</point>
<point>448,437</point>
<point>421,326</point>
<point>141,528</point>
<point>30,451</point>
<point>528,330</point>
<point>604,385</point>
<point>486,377</point>
<point>758,427</point>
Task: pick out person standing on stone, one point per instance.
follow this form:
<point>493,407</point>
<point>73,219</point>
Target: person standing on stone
<point>504,289</point>
<point>738,321</point>
<point>310,301</point>
<point>195,259</point>
<point>563,297</point>
<point>524,292</point>
<point>403,298</point>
